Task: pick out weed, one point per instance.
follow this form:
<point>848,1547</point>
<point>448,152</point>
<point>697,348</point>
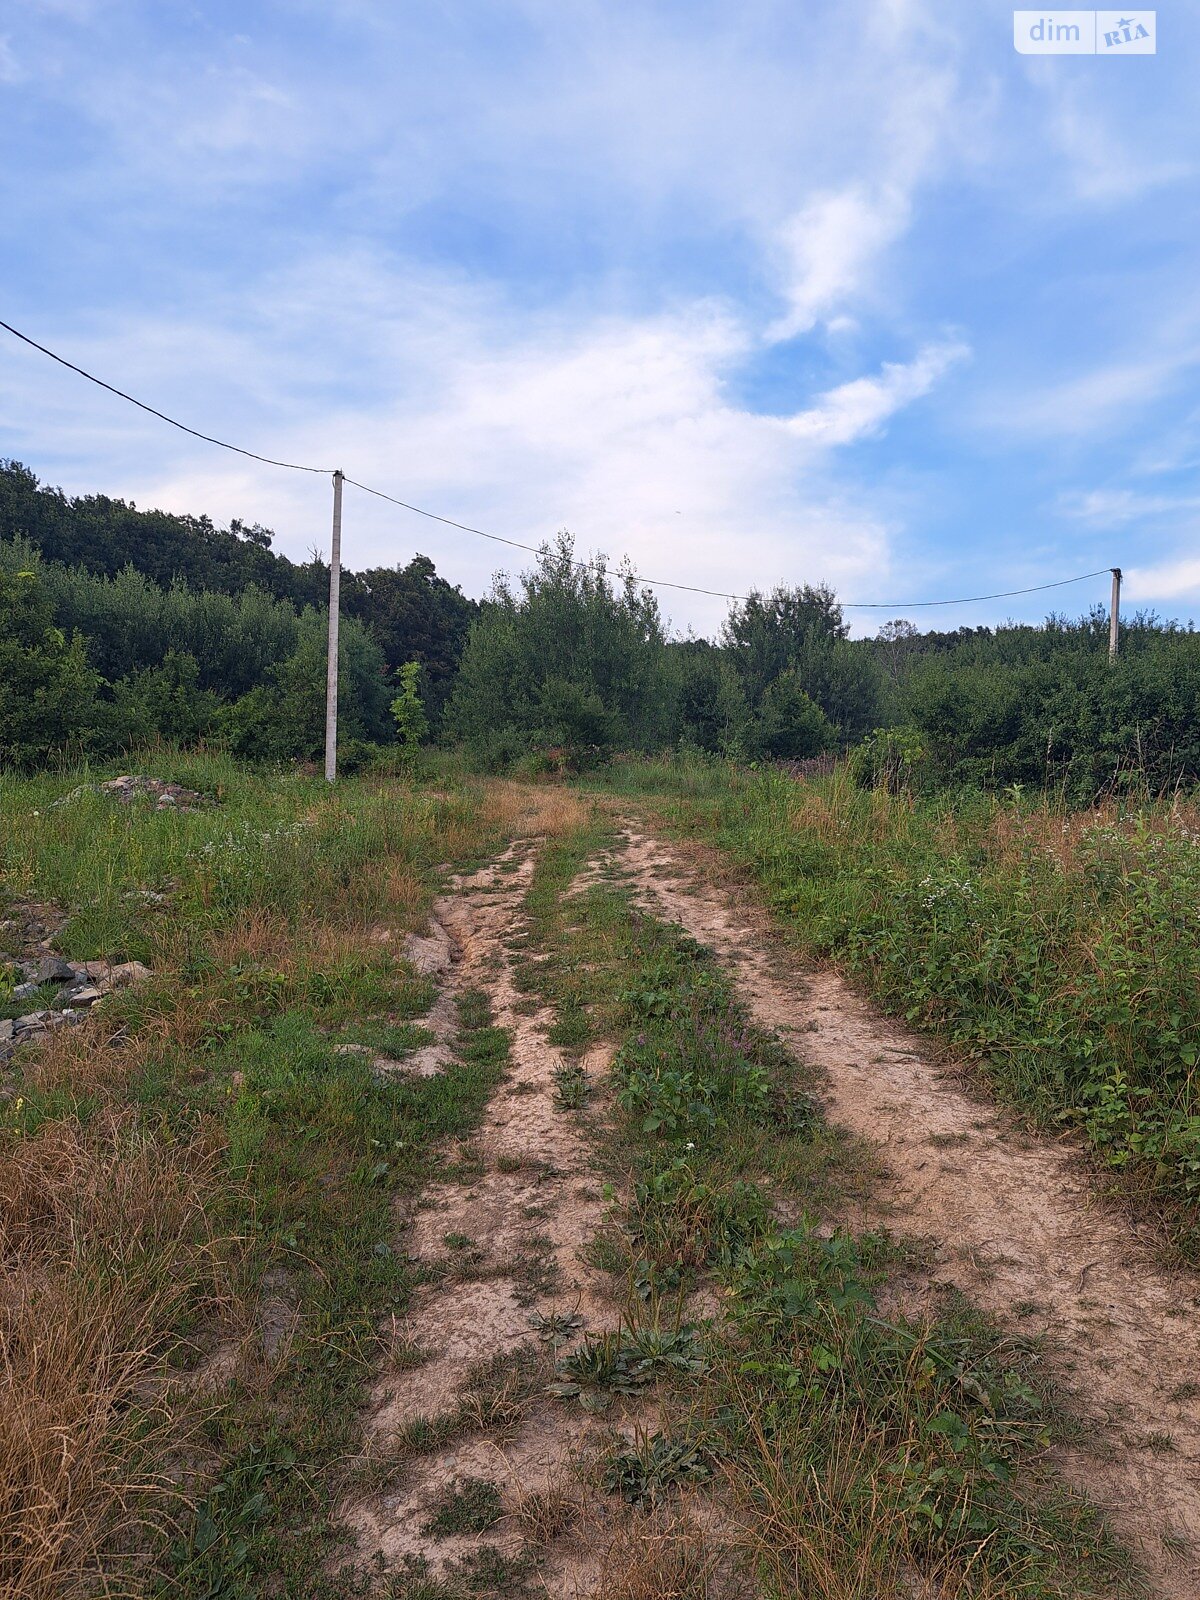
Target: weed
<point>603,1366</point>
<point>468,1506</point>
<point>556,1327</point>
<point>495,1394</point>
<point>656,1464</point>
<point>571,1086</point>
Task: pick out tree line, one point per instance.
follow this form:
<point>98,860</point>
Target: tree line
<point>118,626</point>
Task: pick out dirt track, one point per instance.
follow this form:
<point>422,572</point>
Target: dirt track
<point>1012,1219</point>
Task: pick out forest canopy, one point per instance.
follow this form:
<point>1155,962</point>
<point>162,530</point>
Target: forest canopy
<point>122,626</point>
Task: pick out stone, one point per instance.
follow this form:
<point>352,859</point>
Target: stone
<point>114,974</point>
<point>22,991</point>
<point>6,1030</point>
<point>31,1022</point>
<point>132,787</point>
<point>88,996</point>
<point>53,969</point>
<point>126,972</point>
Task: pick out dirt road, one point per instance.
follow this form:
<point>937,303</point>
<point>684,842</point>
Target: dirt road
<point>1011,1217</point>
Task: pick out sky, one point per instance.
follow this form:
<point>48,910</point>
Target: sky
<point>760,293</point>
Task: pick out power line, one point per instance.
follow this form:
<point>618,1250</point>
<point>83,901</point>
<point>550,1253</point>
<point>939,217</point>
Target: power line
<point>967,600</point>
<point>588,566</point>
<point>721,594</point>
<point>516,544</point>
<point>161,415</point>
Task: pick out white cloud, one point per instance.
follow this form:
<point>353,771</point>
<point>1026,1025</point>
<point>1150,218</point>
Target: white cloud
<point>1106,164</point>
<point>1114,508</point>
<point>828,250</point>
<point>858,409</point>
<point>1168,580</point>
<point>619,428</point>
<point>1097,400</point>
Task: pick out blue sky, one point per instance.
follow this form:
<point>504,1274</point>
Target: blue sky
<point>758,293</point>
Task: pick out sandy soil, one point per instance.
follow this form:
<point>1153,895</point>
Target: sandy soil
<point>1011,1219</point>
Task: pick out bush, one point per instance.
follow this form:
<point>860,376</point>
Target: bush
<point>889,758</point>
<point>791,726</point>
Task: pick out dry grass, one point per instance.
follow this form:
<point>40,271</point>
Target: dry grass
<point>552,811</point>
<point>543,1513</point>
<point>105,1241</point>
<point>496,1394</point>
<point>663,1555</point>
<point>270,902</point>
<point>841,1532</point>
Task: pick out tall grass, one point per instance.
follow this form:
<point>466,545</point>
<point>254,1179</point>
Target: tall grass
<point>1060,949</point>
<point>196,1134</point>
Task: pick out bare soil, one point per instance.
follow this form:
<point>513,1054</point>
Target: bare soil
<point>1011,1219</point>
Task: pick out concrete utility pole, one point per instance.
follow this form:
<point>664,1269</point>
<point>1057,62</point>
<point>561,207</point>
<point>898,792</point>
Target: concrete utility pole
<point>1114,616</point>
<point>335,592</point>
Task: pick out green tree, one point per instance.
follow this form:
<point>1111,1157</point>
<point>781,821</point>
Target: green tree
<point>408,712</point>
<point>802,630</point>
<point>574,658</point>
<point>711,704</point>
<point>284,717</point>
<point>791,726</point>
<point>164,702</point>
<point>416,616</point>
<point>48,702</point>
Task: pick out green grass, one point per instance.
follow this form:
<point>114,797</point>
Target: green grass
<point>266,1162</point>
<point>274,840</point>
<point>467,1507</point>
<point>317,1149</point>
<point>1058,950</point>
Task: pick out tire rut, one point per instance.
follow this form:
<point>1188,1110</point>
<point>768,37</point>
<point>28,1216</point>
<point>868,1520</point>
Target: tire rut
<point>529,1205</point>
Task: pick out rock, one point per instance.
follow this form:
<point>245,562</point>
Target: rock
<point>88,996</point>
<point>114,974</point>
<point>31,1022</point>
<point>127,972</point>
<point>165,796</point>
<point>53,969</point>
<point>430,955</point>
<point>22,991</point>
<point>6,1030</point>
